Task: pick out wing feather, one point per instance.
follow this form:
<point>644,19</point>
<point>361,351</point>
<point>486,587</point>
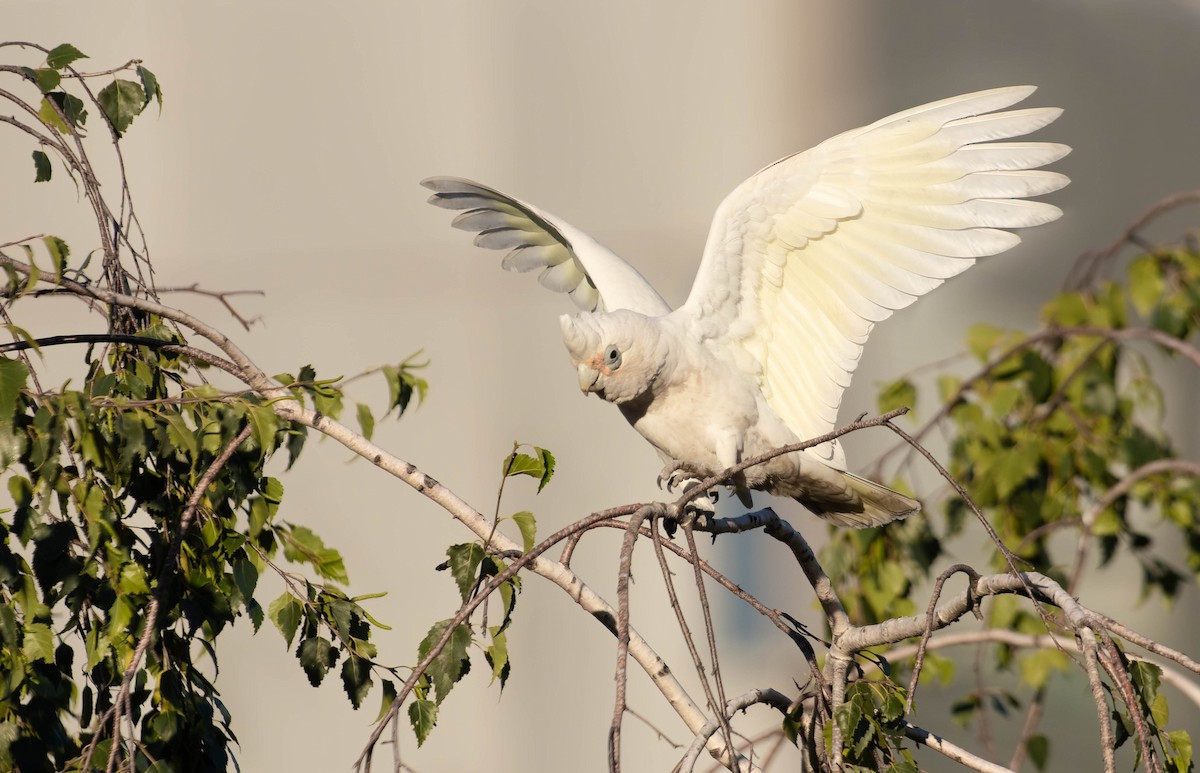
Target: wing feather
<point>807,255</point>
<point>570,261</point>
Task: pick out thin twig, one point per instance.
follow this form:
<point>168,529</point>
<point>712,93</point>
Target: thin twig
<point>973,576</point>
<point>741,702</point>
<point>623,574</point>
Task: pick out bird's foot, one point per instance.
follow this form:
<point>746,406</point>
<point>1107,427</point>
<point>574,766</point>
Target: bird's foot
<point>677,475</point>
<point>699,509</point>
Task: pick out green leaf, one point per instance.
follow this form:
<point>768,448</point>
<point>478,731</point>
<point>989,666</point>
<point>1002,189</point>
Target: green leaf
<point>366,420</point>
<point>121,102</point>
<point>464,565</point>
<point>70,106</point>
<point>1146,284</point>
<point>1038,747</point>
<point>451,664</point>
<point>265,423</point>
<point>304,546</point>
<point>150,86</point>
<point>356,678</point>
<point>389,697</point>
<point>1159,710</point>
<point>13,375</point>
<point>1182,743</point>
<point>42,168</point>
<point>497,656</point>
<point>245,576</point>
<point>62,55</point>
<point>59,252</point>
<point>547,467</point>
<point>317,656</point>
<point>523,464</point>
<point>39,643</point>
<point>286,612</point>
<point>46,78</point>
<point>898,394</point>
<point>528,526</point>
<point>423,716</point>
<point>981,339</point>
<point>1037,667</point>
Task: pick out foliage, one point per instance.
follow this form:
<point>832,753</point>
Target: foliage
<point>143,514</point>
<point>1060,431</point>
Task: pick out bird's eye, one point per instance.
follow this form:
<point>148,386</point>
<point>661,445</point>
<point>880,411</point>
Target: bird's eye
<point>612,358</point>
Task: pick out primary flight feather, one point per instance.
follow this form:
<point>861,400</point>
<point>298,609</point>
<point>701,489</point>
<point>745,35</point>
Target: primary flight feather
<point>802,260</point>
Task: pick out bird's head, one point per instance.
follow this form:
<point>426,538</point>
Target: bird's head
<point>616,354</point>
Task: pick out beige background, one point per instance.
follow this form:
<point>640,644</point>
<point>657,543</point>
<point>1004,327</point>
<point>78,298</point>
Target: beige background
<point>287,157</point>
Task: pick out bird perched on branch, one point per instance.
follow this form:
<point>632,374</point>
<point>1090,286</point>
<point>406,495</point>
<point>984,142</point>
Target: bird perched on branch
<point>802,260</point>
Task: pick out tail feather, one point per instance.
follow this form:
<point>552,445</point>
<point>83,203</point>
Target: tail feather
<point>877,505</point>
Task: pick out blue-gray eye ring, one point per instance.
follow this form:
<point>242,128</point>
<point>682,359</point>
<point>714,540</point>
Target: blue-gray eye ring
<point>612,358</point>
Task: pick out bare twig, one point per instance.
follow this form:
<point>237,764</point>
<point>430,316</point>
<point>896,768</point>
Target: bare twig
<point>1089,264</point>
<point>623,574</point>
<point>973,576</point>
<point>742,702</point>
<point>710,632</point>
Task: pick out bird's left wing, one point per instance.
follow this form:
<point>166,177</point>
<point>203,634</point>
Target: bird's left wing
<point>570,261</point>
<point>807,255</point>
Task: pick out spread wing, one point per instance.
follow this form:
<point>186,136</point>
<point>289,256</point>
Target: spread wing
<point>807,255</point>
<point>570,261</point>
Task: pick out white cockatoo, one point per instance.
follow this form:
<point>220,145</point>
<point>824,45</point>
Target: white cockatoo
<point>802,260</point>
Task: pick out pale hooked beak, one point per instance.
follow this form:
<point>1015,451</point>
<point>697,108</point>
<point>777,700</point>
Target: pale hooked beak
<point>588,376</point>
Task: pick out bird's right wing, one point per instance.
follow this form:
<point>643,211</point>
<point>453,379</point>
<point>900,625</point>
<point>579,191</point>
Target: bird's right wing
<point>570,261</point>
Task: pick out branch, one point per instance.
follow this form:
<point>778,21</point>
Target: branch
<point>956,753</point>
<point>741,702</point>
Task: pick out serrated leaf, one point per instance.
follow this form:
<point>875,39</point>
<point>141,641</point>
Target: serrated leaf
<point>356,678</point>
<point>13,375</point>
<point>366,420</point>
<point>523,464</point>
<point>255,611</point>
<point>1182,743</point>
<point>62,55</point>
<point>121,102</point>
<point>47,79</point>
<point>464,565</point>
<point>41,166</point>
<point>317,656</point>
<point>528,526</point>
<point>451,664</point>
<point>245,576</point>
<point>150,86</point>
<point>548,462</point>
<point>497,656</point>
<point>265,424</point>
<point>286,612</point>
<point>388,697</point>
<point>71,107</point>
<point>59,252</point>
<point>422,714</point>
<point>304,546</point>
<point>39,643</point>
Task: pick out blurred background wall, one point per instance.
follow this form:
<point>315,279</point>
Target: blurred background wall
<point>286,158</point>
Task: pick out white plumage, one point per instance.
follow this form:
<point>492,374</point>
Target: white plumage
<point>801,261</point>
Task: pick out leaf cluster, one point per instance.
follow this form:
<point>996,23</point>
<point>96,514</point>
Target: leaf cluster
<point>1059,432</point>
